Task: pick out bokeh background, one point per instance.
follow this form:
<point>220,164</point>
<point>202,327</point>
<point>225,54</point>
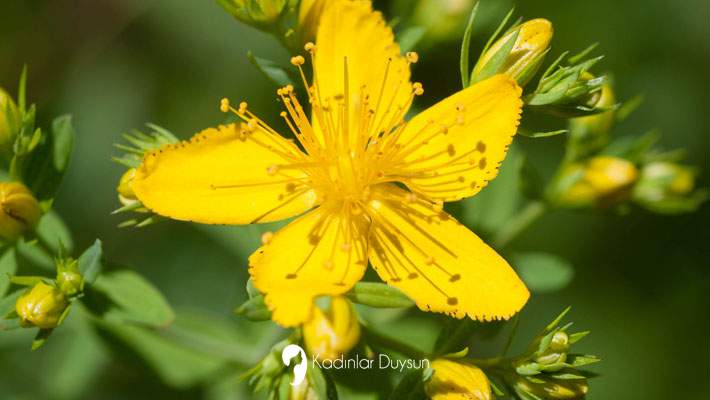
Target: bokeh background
<point>641,280</point>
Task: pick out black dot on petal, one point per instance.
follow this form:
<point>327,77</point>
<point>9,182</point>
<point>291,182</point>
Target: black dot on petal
<point>452,301</point>
<point>455,277</point>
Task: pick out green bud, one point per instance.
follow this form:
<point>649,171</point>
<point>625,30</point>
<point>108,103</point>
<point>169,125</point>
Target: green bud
<point>41,307</point>
<point>9,123</point>
<point>590,134</point>
<point>559,342</point>
<point>69,279</point>
<point>603,181</point>
<point>523,59</point>
<point>261,14</point>
<point>668,187</point>
<point>19,210</point>
<point>548,388</point>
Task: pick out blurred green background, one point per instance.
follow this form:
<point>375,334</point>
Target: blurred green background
<point>641,280</point>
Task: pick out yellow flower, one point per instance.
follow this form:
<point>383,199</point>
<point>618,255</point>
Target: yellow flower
<point>333,334</point>
<point>457,381</point>
<point>19,210</point>
<point>42,306</point>
<point>349,165</point>
<point>526,56</point>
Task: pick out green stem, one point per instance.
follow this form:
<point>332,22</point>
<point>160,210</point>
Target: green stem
<point>392,344</point>
<point>519,223</point>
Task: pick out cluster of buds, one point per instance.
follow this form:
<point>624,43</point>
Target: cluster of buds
<point>549,370</point>
<point>601,181</point>
<point>46,303</point>
<point>137,145</point>
<point>570,91</point>
<point>519,53</point>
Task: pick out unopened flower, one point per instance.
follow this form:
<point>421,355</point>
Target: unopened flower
<point>261,14</point>
<point>371,184</point>
<point>9,123</point>
<point>19,210</point>
<point>667,187</point>
<point>41,307</point>
<point>526,55</point>
<point>589,134</point>
<point>544,387</point>
<point>333,333</point>
<point>69,279</point>
<point>602,181</point>
<point>457,381</point>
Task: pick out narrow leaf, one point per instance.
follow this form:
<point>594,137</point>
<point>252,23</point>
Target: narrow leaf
<point>466,48</point>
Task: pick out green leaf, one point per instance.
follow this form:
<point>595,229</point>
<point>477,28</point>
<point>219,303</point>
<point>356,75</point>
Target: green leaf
<point>22,90</point>
<point>466,49</point>
<point>176,364</point>
<point>543,272</point>
<point>379,295</point>
<point>53,231</point>
<point>274,72</point>
<point>580,360</point>
<point>90,265</point>
<point>7,307</point>
<point>321,383</point>
<point>537,135</point>
<point>410,387</point>
<point>133,300</point>
<point>41,338</point>
<point>8,267</point>
<point>254,309</point>
<point>43,169</point>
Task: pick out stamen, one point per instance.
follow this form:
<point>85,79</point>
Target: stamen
<point>266,237</point>
<point>224,105</point>
<point>298,60</point>
<point>412,57</point>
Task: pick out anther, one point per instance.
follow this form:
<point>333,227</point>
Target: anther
<point>224,105</point>
<point>298,60</point>
<point>266,237</point>
<point>430,260</point>
<point>242,107</point>
<point>410,198</point>
<point>328,264</point>
<point>412,57</point>
<point>272,169</point>
<point>345,247</point>
<point>310,47</point>
<point>418,88</point>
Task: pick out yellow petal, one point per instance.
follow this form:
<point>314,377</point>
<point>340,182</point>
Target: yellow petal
<point>453,149</point>
<point>225,176</point>
<point>457,381</point>
<point>438,262</point>
<point>322,253</point>
<point>352,34</point>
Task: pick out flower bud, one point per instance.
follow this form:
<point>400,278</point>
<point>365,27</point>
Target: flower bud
<point>302,391</point>
<point>602,181</point>
<point>669,188</point>
<point>455,380</point>
<point>559,342</point>
<point>69,279</point>
<point>547,388</point>
<point>261,14</point>
<point>589,134</point>
<point>333,334</point>
<point>526,56</point>
<point>19,210</point>
<point>41,307</point>
<point>125,189</point>
<point>9,123</point>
